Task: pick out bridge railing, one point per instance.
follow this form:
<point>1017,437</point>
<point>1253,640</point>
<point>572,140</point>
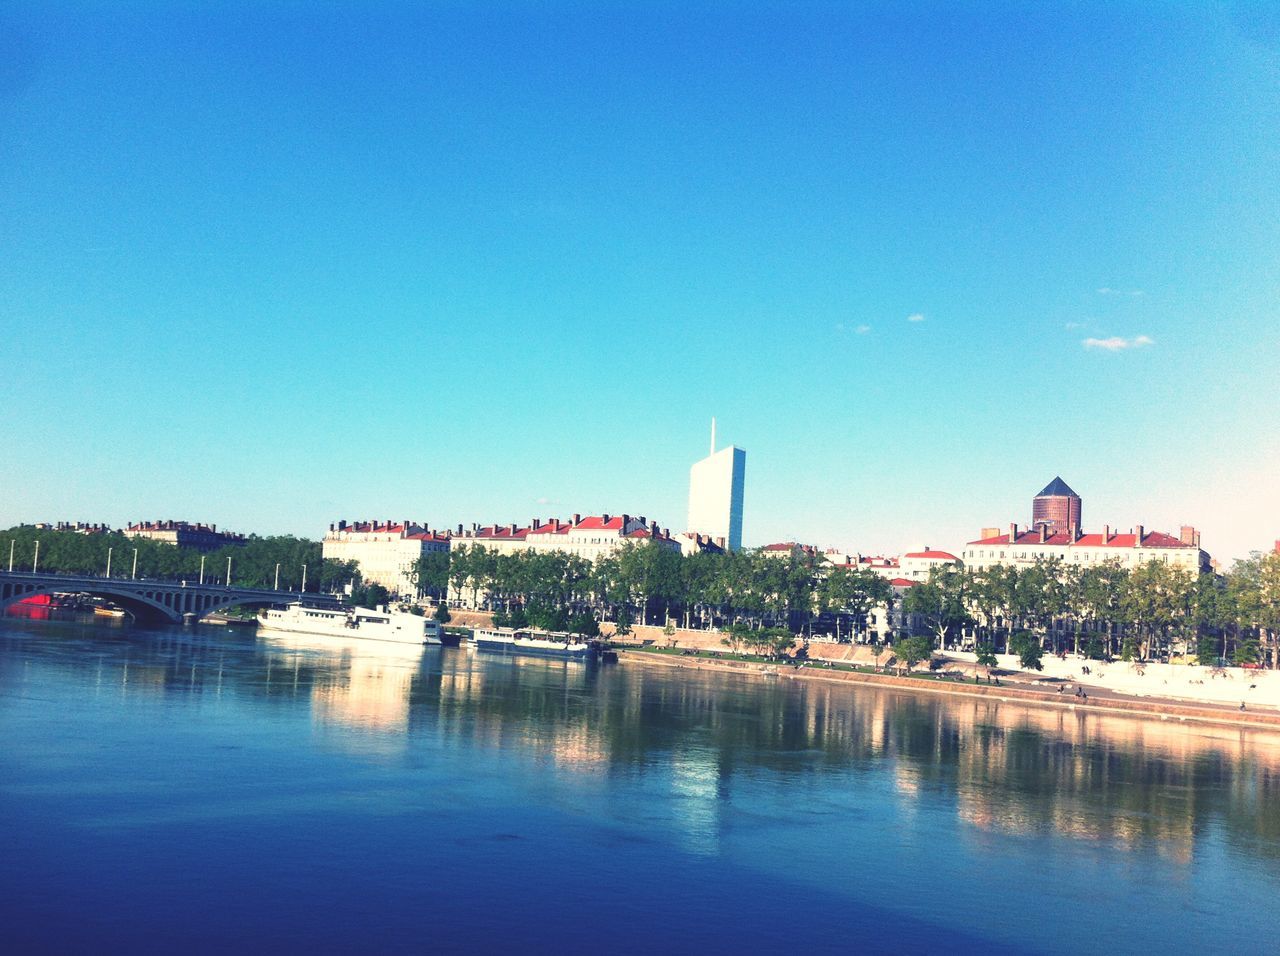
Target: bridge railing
<point>178,582</point>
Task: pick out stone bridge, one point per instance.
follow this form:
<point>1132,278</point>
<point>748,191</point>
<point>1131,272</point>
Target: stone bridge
<point>150,600</point>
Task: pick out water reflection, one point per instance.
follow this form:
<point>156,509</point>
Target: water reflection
<point>1000,770</point>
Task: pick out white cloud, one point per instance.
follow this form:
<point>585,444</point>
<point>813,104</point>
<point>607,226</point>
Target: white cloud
<point>863,329</point>
<point>915,317</point>
<point>1105,290</point>
<point>1117,344</point>
<point>1072,326</point>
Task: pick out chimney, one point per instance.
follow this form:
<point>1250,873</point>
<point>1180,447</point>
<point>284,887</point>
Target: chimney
<point>1074,532</point>
<point>459,530</point>
<point>1189,536</point>
<point>604,517</point>
<point>625,518</point>
<point>577,519</point>
<point>535,524</point>
<point>1042,528</point>
<point>1106,533</point>
<point>1013,533</point>
<point>1137,537</point>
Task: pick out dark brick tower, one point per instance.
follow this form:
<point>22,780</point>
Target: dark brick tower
<point>1057,507</point>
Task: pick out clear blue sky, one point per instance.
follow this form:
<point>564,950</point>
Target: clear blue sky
<point>286,263</point>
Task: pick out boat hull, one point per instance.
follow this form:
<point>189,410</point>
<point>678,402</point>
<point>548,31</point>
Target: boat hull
<point>414,630</point>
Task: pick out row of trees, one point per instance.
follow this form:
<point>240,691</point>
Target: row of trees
<point>253,563</point>
<point>1107,610</point>
<point>650,584</point>
<point>1149,612</point>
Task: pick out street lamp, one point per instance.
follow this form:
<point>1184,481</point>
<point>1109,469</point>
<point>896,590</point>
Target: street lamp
<point>228,570</point>
<point>277,585</point>
<point>304,578</point>
<point>109,562</point>
<point>11,544</point>
<point>35,563</point>
<point>202,570</point>
<point>135,564</point>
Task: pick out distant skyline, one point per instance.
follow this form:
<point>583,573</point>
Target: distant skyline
<point>271,266</point>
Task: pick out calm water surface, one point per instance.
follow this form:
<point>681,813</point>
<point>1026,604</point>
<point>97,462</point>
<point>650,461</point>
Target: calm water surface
<point>211,789</point>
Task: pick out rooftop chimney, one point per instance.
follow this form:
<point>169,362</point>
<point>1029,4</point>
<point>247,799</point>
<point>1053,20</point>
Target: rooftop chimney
<point>535,523</point>
<point>577,518</point>
<point>1189,536</point>
<point>1137,537</point>
<point>1041,528</point>
<point>1013,533</point>
<point>1106,533</point>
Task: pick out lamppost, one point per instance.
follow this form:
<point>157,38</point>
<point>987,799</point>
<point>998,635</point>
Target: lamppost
<point>304,578</point>
<point>228,570</point>
<point>12,542</point>
<point>135,564</point>
<point>202,570</point>
<point>109,562</point>
<point>35,563</point>
<point>277,585</point>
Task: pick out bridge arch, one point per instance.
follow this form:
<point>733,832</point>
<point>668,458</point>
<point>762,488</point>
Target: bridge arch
<point>142,606</point>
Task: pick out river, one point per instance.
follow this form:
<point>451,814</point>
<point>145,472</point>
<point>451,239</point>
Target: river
<point>210,789</point>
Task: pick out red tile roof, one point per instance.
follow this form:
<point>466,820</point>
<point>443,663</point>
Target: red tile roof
<point>939,555</point>
<point>1150,539</point>
<point>903,583</point>
<point>597,523</point>
<point>500,531</point>
<point>554,526</point>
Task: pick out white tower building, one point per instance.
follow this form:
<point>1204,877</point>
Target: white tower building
<point>715,494</point>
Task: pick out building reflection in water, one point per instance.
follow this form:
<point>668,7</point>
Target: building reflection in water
<point>692,737</point>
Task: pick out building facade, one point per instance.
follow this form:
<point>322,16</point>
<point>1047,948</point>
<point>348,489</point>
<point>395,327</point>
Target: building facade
<point>716,485</point>
<point>1130,550</point>
<point>385,551</point>
<point>184,534</point>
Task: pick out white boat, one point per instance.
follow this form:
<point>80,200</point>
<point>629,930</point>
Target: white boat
<point>546,643</point>
<point>379,625</point>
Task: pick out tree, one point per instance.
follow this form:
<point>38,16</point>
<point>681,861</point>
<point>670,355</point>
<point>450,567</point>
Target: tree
<point>986,658</point>
<point>442,613</point>
<point>910,651</point>
<point>940,602</point>
<point>431,574</point>
<point>853,592</point>
<point>1027,646</point>
<point>369,595</point>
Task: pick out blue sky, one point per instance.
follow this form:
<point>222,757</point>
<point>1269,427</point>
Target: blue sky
<point>281,264</point>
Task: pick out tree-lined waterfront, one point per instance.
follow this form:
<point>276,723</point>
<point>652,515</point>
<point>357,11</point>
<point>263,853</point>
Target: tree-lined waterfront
<point>1151,612</point>
<point>1154,611</point>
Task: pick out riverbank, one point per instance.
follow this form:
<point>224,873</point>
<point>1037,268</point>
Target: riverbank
<point>1042,694</point>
